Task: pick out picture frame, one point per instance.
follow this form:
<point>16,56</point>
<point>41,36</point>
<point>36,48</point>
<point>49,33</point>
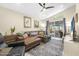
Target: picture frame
<point>27,22</point>
<point>36,23</point>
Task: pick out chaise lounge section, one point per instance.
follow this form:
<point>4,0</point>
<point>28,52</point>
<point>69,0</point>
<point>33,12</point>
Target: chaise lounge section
<point>31,42</point>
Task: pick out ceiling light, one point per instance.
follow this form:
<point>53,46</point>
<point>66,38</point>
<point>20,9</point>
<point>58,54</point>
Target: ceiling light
<point>44,9</point>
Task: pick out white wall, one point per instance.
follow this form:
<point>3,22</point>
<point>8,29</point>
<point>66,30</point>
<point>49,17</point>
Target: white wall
<point>9,18</point>
<point>77,24</point>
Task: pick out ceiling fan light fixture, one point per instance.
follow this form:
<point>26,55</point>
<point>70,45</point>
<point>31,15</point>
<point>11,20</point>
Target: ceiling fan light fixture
<point>44,9</point>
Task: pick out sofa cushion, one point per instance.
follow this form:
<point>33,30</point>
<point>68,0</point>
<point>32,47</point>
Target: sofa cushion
<point>30,40</point>
<point>34,33</point>
<point>41,33</point>
<point>19,34</point>
<point>10,38</point>
<point>20,38</point>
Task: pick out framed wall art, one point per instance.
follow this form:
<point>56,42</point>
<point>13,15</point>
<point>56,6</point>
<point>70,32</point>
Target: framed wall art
<point>36,23</point>
<point>27,22</point>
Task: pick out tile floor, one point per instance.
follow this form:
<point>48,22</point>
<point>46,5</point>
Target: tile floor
<point>71,48</point>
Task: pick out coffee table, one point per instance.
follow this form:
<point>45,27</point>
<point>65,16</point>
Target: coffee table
<point>17,51</point>
<point>5,51</point>
<point>13,51</point>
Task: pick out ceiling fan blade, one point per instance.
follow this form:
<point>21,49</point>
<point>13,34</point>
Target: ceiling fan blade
<point>49,7</point>
<point>44,4</point>
<point>41,10</point>
<point>41,4</point>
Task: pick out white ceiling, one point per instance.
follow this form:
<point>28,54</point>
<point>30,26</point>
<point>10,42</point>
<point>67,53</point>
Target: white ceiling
<point>34,10</point>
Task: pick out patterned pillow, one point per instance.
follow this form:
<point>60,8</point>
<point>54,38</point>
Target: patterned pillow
<point>25,35</point>
<point>34,33</point>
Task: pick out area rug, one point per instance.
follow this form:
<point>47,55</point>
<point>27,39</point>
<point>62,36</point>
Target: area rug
<point>52,48</point>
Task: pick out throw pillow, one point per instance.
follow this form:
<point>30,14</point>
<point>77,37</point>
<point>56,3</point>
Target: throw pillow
<point>25,35</point>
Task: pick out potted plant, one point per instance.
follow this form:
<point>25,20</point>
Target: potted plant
<point>12,30</point>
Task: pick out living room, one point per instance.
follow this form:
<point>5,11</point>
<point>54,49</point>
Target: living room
<point>33,29</point>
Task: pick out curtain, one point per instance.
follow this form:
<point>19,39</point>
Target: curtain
<point>73,25</point>
<point>47,22</point>
<point>64,25</point>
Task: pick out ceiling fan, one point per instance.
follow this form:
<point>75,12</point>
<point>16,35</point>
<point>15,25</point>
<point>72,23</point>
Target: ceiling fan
<point>43,5</point>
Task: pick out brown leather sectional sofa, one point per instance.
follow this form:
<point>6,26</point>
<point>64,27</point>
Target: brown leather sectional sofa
<point>11,39</point>
<point>30,42</point>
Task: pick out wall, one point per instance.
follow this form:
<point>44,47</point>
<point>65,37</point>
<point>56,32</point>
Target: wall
<point>9,18</point>
<point>77,24</point>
